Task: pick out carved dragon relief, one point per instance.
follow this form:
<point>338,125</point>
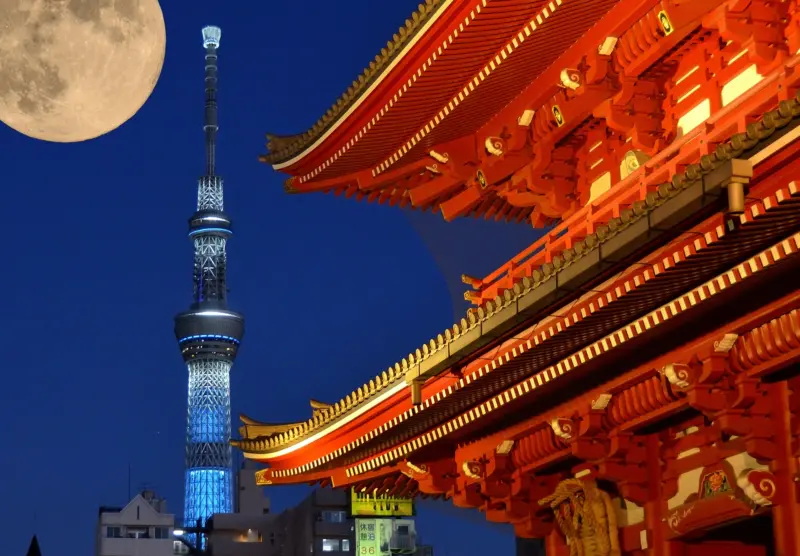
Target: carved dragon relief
<point>586,516</point>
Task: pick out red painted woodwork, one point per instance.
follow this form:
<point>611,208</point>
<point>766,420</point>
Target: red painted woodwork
<point>685,412</point>
<point>618,92</point>
<point>726,548</point>
<point>469,50</point>
<point>680,254</point>
<point>637,186</point>
<point>714,383</point>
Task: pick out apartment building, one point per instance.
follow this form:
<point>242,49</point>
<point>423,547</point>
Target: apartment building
<point>141,528</point>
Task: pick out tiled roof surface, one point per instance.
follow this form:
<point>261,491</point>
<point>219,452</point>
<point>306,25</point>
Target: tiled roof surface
<point>284,148</point>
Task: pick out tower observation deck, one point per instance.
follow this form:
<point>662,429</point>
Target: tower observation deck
<point>209,333</point>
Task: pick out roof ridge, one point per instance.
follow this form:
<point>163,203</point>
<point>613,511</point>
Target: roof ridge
<point>33,549</point>
<point>283,147</point>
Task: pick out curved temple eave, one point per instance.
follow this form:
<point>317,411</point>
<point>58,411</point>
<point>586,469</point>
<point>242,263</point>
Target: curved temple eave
<point>254,430</point>
<point>529,285</point>
<point>296,165</point>
<point>777,200</point>
<point>285,150</point>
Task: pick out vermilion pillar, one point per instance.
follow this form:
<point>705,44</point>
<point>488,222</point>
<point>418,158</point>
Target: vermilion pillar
<point>786,512</point>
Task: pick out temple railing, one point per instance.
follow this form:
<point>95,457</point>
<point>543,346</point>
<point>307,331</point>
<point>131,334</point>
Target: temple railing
<point>733,118</point>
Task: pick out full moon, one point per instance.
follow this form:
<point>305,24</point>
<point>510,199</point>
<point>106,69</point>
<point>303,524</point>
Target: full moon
<point>72,70</point>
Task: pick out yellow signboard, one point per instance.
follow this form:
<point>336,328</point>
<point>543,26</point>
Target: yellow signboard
<point>367,505</point>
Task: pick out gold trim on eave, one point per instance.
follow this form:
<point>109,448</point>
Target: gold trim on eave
<point>767,258</point>
<point>289,150</point>
<point>324,419</point>
<point>507,50</point>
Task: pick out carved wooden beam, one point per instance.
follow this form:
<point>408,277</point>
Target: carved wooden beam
<point>440,185</point>
<point>758,26</point>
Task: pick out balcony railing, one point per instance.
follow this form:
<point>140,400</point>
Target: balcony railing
<point>636,187</point>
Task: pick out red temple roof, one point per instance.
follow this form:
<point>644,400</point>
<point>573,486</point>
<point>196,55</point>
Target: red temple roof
<point>449,72</point>
<point>633,268</point>
<point>380,415</point>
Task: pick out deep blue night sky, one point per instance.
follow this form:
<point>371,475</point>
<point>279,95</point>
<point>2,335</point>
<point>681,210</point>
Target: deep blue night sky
<point>97,264</point>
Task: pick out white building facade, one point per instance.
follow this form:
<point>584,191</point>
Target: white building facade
<point>249,498</point>
<point>240,534</point>
<point>243,533</point>
<point>142,528</point>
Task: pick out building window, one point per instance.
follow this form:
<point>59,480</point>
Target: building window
<point>402,530</point>
<point>161,532</point>
<point>138,534</point>
<point>330,545</point>
<point>330,516</point>
<point>114,532</point>
<point>345,545</point>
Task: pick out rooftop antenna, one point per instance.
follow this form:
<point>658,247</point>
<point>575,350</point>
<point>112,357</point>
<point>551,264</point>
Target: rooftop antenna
<point>211,36</point>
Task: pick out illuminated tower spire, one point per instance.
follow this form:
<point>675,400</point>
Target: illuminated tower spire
<point>209,333</point>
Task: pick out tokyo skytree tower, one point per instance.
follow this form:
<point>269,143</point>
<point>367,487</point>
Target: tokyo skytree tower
<point>209,333</point>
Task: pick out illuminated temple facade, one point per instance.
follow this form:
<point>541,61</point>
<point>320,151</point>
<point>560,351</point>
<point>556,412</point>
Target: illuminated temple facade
<point>627,385</point>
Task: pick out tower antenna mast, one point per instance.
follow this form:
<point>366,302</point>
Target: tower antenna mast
<point>209,333</point>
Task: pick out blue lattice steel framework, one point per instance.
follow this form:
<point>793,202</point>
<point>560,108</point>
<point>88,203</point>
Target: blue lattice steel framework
<point>209,333</point>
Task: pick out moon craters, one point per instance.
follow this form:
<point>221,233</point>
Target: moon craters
<point>87,10</point>
<point>71,70</point>
<point>32,86</point>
